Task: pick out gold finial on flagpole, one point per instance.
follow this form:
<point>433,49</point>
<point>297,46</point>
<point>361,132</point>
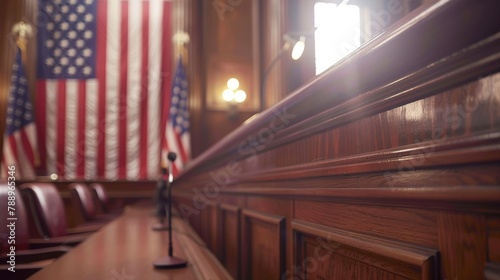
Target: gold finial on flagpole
<point>180,40</point>
<point>22,31</point>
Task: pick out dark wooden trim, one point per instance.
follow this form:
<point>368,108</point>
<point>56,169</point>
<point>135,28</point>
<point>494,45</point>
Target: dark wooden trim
<point>475,149</point>
<point>267,218</point>
<point>475,198</point>
<point>418,258</point>
<point>396,251</point>
<point>229,208</point>
<point>478,198</point>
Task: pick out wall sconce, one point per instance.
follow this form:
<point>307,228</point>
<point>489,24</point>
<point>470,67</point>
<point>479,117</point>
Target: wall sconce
<point>233,96</point>
<point>299,44</point>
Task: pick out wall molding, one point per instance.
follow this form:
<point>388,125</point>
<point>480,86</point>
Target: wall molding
<point>398,258</point>
<point>275,227</point>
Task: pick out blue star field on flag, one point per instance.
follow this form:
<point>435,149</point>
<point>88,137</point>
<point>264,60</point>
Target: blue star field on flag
<point>19,109</point>
<point>179,114</point>
<point>67,39</point>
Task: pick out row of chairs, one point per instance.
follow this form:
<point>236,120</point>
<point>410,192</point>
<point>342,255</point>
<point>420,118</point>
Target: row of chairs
<point>41,232</point>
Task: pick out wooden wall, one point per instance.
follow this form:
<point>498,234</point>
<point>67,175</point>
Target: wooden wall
<point>235,38</point>
<point>222,45</point>
<point>384,167</point>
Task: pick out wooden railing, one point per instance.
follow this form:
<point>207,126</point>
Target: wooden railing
<point>385,165</point>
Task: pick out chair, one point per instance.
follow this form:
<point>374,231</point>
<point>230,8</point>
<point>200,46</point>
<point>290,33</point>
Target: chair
<point>102,200</point>
<point>25,254</point>
<point>47,208</point>
<point>85,206</point>
<point>101,197</point>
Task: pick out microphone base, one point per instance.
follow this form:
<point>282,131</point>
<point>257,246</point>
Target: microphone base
<point>169,263</point>
<point>159,227</point>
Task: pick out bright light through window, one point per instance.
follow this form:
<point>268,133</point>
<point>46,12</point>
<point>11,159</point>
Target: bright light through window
<point>337,33</point>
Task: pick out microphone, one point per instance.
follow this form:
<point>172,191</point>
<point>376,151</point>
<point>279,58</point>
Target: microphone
<point>171,156</point>
<point>160,198</point>
<point>170,261</point>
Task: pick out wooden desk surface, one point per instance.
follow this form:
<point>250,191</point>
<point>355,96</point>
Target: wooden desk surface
<point>126,249</point>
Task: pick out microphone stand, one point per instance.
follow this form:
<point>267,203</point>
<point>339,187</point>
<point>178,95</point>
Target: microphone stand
<point>170,262</point>
<point>161,210</point>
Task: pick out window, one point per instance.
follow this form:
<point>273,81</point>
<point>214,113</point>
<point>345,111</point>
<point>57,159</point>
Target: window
<point>337,32</point>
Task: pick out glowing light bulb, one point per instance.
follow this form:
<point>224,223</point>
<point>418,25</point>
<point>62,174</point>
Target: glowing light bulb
<point>233,83</point>
<point>228,95</point>
<point>298,48</point>
<point>240,96</point>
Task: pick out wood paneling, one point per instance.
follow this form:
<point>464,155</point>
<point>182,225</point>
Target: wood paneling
<point>187,212</point>
<point>229,239</point>
<point>462,244</point>
<point>275,206</point>
<point>393,153</point>
<point>206,221</point>
<point>229,50</point>
<point>217,125</point>
<point>211,226</point>
<point>494,239</point>
<point>263,254</point>
<point>384,221</point>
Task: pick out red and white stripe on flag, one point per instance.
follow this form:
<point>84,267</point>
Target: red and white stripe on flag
<point>108,126</point>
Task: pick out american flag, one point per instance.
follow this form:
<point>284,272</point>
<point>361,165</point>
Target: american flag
<point>19,143</point>
<point>103,67</point>
<point>177,138</point>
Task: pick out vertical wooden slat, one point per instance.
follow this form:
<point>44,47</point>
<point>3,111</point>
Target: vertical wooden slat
<point>462,244</point>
